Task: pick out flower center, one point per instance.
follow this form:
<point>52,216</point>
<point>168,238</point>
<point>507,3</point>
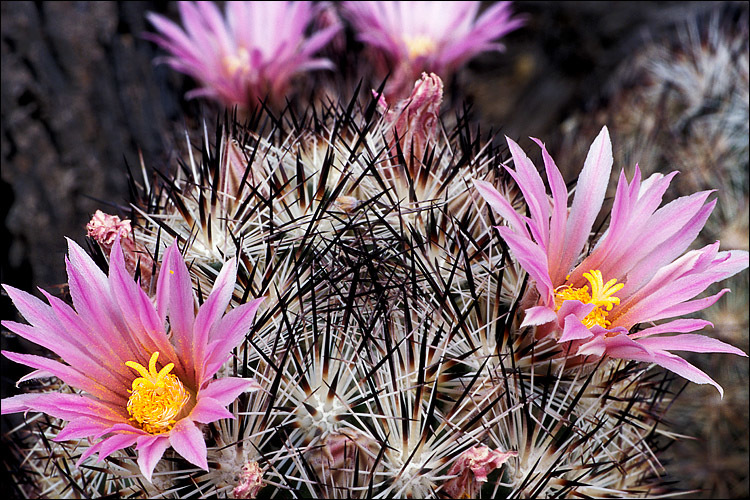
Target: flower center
<point>157,397</point>
<point>419,46</point>
<point>602,296</point>
<point>239,63</point>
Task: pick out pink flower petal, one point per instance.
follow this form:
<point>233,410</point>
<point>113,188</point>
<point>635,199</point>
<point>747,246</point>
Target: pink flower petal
<point>689,342</point>
<point>208,410</point>
<point>213,309</point>
<point>188,441</point>
<point>574,329</point>
<point>538,315</point>
<point>226,390</point>
<point>590,192</point>
<point>150,449</point>
<point>229,333</point>
<point>676,326</point>
<point>501,206</point>
<point>174,297</point>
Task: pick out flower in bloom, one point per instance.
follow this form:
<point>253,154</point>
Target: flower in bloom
<point>407,38</point>
<point>144,383</point>
<point>471,468</point>
<point>638,272</point>
<point>253,51</point>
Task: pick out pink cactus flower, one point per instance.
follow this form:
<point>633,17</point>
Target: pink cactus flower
<point>414,121</point>
<point>407,38</point>
<point>637,273</point>
<point>253,51</point>
<point>142,383</point>
<point>471,468</point>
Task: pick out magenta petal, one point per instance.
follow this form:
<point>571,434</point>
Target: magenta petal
<point>538,315</point>
<point>136,307</point>
<point>212,310</point>
<point>229,332</point>
<point>150,449</point>
<point>226,390</point>
<point>88,452</point>
<point>116,442</point>
<point>532,187</point>
<point>188,441</point>
<point>63,406</point>
<point>80,428</point>
<point>689,342</point>
<point>67,374</point>
<point>209,410</point>
<point>174,297</point>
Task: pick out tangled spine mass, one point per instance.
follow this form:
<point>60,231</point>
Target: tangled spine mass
<point>389,349</point>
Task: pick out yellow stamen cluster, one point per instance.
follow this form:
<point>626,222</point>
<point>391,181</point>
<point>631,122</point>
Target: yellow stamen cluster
<point>602,296</point>
<point>419,46</point>
<point>157,397</point>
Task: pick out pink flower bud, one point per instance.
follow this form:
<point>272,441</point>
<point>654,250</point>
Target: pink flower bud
<point>414,121</point>
<point>104,228</point>
<point>251,481</point>
<point>472,468</point>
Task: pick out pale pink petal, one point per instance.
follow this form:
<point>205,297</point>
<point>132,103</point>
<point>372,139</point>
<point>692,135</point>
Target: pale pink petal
<point>150,449</point>
<point>501,206</point>
<point>590,192</point>
<point>188,441</point>
<point>538,315</point>
<point>574,329</point>
<point>229,333</point>
<point>532,258</point>
<point>687,307</point>
<point>684,369</point>
<point>620,346</point>
<point>208,410</point>
<point>676,326</point>
<point>226,390</point>
<point>689,342</point>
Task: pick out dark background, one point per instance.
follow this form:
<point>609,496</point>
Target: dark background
<point>81,96</point>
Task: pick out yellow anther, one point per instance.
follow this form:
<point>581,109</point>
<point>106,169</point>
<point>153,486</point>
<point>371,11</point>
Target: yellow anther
<point>602,296</point>
<point>157,397</point>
